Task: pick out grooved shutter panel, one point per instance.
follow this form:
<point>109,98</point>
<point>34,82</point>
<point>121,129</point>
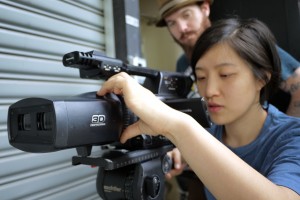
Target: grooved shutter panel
<point>34,35</point>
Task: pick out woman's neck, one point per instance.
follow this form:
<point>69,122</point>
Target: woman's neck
<point>246,129</point>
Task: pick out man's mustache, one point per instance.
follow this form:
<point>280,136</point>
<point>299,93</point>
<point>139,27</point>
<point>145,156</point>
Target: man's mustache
<point>183,35</point>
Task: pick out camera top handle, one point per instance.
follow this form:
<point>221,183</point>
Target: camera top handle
<point>95,65</point>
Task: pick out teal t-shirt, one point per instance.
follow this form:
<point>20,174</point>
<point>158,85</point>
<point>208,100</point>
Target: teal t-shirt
<point>275,153</point>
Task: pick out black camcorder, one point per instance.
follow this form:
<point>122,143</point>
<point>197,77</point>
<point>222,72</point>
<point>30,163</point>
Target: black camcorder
<point>134,170</point>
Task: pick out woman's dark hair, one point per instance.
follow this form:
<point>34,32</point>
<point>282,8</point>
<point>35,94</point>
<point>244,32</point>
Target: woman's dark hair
<point>252,40</point>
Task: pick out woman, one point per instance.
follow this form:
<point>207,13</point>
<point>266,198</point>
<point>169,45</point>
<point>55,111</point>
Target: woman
<point>253,150</point>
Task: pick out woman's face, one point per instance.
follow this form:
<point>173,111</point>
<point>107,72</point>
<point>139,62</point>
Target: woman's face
<point>227,83</point>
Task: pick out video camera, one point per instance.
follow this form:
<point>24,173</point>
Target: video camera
<point>134,170</point>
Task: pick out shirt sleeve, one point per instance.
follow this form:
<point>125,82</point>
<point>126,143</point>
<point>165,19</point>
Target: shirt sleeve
<point>285,166</point>
<point>182,63</point>
<point>288,63</point>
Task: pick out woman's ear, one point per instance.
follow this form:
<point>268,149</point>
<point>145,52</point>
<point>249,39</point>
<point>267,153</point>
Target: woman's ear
<point>262,83</point>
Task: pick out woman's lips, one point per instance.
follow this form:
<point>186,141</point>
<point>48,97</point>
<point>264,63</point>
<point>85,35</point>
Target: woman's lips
<point>213,107</point>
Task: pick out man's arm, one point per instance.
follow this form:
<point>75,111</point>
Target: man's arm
<point>292,86</point>
<point>290,74</point>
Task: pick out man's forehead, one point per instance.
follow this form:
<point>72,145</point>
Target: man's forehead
<point>182,10</point>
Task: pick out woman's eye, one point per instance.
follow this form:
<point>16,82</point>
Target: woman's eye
<point>225,75</point>
<point>200,78</point>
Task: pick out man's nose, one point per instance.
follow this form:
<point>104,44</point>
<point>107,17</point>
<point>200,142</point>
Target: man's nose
<point>182,26</point>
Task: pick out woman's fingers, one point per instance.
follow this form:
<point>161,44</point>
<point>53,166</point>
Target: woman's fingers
<point>177,163</point>
<point>143,103</point>
<point>114,84</point>
<point>130,132</point>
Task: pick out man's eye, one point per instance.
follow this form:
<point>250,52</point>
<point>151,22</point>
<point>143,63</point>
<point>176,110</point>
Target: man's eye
<point>186,16</point>
<point>170,24</point>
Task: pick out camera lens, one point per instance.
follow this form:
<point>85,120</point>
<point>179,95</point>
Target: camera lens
<point>24,122</point>
<point>44,121</point>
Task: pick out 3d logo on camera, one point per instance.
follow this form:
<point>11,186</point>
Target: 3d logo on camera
<point>98,120</point>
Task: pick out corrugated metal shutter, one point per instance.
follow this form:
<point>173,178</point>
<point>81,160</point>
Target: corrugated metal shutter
<point>34,35</point>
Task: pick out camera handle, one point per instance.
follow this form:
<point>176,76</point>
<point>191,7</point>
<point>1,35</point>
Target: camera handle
<point>110,159</point>
<point>134,175</point>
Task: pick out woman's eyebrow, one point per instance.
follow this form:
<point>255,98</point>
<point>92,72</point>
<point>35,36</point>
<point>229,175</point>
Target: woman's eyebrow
<point>225,64</point>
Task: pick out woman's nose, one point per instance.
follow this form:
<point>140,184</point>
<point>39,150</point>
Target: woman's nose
<point>211,88</point>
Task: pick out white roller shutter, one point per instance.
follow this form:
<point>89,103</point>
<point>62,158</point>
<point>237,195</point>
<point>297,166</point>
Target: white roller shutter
<point>34,35</point>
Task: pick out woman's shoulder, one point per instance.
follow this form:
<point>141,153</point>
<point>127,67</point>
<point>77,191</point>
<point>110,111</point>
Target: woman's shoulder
<point>278,118</point>
<point>281,126</point>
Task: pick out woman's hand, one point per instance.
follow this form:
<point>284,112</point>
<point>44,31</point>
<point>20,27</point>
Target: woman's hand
<point>178,163</point>
<point>155,117</point>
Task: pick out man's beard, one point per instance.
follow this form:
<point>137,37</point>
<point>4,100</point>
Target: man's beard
<point>188,47</point>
